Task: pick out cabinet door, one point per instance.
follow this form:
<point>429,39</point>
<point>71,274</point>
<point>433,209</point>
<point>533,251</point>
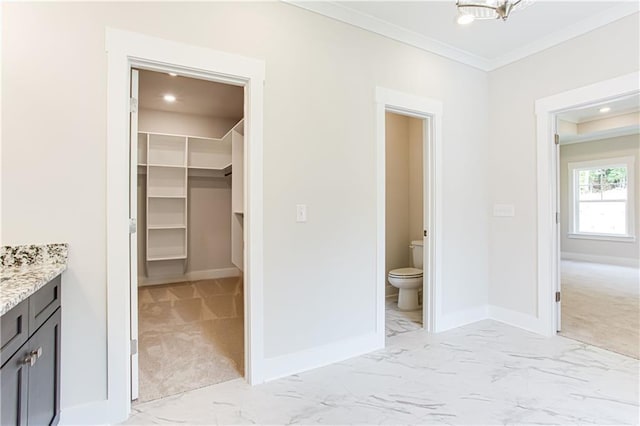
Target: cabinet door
<point>44,375</point>
<point>13,388</point>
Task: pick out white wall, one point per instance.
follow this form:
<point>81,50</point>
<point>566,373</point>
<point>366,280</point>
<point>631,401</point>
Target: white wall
<point>512,149</point>
<point>151,120</point>
<point>624,146</point>
<point>319,149</point>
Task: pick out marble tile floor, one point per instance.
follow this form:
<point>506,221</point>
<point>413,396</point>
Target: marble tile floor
<point>482,373</point>
<point>190,335</point>
<point>601,305</point>
<point>397,321</point>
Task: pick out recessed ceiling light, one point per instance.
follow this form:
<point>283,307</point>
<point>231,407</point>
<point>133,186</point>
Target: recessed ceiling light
<point>172,74</point>
<point>169,98</point>
<point>465,19</point>
<point>605,109</point>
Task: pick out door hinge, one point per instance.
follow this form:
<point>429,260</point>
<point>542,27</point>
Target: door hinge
<point>557,296</point>
<point>133,105</point>
<point>557,217</point>
<point>134,346</point>
<point>556,139</point>
<point>425,233</point>
<point>133,225</point>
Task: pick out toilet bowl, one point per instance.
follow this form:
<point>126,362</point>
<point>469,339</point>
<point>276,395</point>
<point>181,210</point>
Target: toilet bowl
<point>408,281</point>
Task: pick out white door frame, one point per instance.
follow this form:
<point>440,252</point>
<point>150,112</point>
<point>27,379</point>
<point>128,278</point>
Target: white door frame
<point>547,167</point>
<point>431,111</point>
<point>124,51</point>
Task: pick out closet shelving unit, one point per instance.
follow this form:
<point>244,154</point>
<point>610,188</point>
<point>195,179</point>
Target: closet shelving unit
<point>168,160</point>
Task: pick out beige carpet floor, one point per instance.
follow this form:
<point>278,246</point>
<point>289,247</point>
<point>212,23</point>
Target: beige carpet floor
<point>190,336</point>
<point>601,306</point>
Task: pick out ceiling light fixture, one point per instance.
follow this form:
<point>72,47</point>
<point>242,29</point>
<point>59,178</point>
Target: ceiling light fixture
<point>169,98</point>
<point>605,109</point>
<point>465,19</point>
<point>172,74</point>
<point>487,9</point>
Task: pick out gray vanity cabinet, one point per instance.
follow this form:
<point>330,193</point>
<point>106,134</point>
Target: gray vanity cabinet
<point>30,376</point>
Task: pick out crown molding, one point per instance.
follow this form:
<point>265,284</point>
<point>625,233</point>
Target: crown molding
<point>392,31</point>
<point>565,34</point>
<point>395,32</point>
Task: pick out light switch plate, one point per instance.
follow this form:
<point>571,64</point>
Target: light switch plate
<point>301,212</point>
<point>504,210</point>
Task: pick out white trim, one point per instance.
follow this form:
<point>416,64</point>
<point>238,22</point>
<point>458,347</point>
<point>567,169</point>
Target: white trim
<point>547,183</point>
<point>460,318</point>
<point>125,49</point>
<point>384,28</point>
<point>593,22</point>
<point>191,276</point>
<point>95,413</point>
<point>603,237</point>
<point>345,14</point>
<point>319,356</point>
<point>633,129</point>
<point>431,111</point>
<point>516,319</point>
<point>607,260</point>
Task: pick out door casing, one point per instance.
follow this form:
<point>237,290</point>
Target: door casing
<point>430,110</point>
<point>127,50</point>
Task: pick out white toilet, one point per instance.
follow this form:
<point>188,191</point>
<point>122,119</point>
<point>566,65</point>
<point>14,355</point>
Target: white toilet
<point>409,280</point>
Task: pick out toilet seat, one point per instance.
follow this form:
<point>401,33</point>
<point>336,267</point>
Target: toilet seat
<point>406,273</point>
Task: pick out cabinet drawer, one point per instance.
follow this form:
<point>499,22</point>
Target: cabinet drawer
<point>43,303</point>
<point>14,329</point>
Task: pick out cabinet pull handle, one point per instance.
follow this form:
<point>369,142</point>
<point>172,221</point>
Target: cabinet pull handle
<point>33,357</point>
<point>30,360</point>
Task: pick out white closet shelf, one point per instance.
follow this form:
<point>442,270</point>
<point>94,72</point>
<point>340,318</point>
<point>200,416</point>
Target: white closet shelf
<point>210,168</point>
<point>173,166</point>
<point>156,259</point>
<point>166,226</point>
<point>167,196</point>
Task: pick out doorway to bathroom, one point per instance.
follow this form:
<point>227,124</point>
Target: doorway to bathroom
<point>409,231</point>
<point>404,222</point>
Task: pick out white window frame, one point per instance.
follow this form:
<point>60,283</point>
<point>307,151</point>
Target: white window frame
<point>574,200</point>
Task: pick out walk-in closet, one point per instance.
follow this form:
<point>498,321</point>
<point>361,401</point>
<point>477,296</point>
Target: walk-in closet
<point>190,157</point>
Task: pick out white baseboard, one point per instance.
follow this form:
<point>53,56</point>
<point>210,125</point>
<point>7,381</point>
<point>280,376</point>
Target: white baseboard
<point>316,357</point>
<point>94,413</point>
<point>607,260</point>
<point>516,319</point>
<point>460,318</point>
<point>190,276</point>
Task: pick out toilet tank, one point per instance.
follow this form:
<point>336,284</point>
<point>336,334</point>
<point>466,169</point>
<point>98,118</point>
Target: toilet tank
<point>416,253</point>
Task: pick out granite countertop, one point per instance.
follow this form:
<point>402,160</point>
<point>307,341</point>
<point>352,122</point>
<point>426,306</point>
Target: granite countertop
<point>25,269</point>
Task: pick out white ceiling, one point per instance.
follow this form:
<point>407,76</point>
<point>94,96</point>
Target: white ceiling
<point>431,25</point>
<point>193,96</point>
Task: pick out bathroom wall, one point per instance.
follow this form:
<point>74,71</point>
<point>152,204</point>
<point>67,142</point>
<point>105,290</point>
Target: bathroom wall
<point>416,179</point>
<point>624,146</point>
<point>403,189</point>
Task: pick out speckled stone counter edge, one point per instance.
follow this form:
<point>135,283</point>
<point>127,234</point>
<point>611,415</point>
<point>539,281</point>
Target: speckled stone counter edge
<point>25,269</point>
<point>19,256</point>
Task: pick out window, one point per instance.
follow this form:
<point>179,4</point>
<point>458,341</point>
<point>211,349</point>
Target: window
<point>601,204</point>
